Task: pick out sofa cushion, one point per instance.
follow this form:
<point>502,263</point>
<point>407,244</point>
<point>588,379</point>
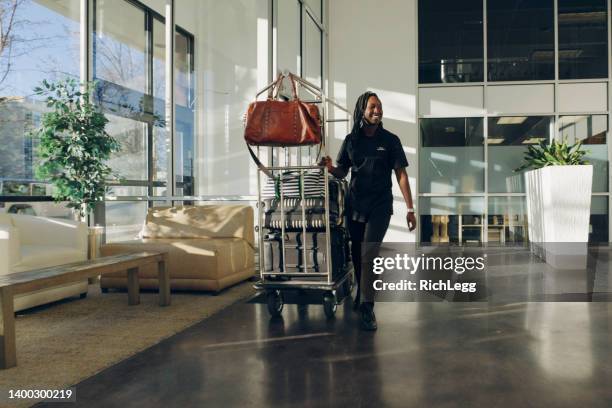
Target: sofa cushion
<point>208,221</point>
<point>42,256</point>
<point>202,258</point>
<point>6,219</point>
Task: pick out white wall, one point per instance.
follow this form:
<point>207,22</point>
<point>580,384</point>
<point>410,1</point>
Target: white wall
<point>373,47</point>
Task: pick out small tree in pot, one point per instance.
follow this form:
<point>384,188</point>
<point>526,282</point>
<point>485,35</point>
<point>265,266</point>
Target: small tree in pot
<point>74,145</point>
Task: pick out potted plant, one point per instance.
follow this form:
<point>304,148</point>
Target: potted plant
<point>74,145</point>
<point>558,189</point>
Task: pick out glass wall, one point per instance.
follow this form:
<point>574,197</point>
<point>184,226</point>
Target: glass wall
<point>520,40</point>
<point>129,65</point>
<point>520,44</point>
<point>599,220</point>
<point>316,6</point>
<point>450,42</point>
<point>507,220</point>
<point>456,220</point>
<point>583,34</point>
<point>312,52</point>
<point>447,173</point>
<point>288,38</point>
<point>592,131</point>
<point>507,143</point>
<point>42,44</point>
<point>452,156</point>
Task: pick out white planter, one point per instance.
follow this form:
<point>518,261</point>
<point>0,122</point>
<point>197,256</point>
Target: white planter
<point>558,210</point>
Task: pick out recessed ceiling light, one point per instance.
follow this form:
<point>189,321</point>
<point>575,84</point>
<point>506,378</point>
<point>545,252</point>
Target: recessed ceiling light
<point>533,140</point>
<point>511,120</point>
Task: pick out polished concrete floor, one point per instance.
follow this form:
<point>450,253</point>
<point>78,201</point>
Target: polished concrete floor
<point>425,354</point>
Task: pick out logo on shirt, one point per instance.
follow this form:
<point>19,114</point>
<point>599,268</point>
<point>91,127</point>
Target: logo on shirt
<point>380,149</point>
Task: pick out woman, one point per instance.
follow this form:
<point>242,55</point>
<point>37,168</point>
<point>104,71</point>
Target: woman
<point>371,153</point>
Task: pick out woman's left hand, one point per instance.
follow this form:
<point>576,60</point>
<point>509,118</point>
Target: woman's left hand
<point>411,219</point>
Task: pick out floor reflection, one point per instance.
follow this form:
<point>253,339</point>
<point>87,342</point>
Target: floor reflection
<point>495,353</point>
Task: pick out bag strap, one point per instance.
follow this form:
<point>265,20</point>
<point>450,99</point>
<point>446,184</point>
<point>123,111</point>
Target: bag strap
<point>259,164</point>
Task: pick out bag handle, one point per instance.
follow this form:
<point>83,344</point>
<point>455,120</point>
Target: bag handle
<point>278,84</point>
<point>275,87</point>
<point>293,87</point>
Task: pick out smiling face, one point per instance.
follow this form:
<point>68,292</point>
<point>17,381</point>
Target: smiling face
<point>373,112</point>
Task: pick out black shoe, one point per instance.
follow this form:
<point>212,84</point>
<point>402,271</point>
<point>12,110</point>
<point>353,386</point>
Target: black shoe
<point>368,318</point>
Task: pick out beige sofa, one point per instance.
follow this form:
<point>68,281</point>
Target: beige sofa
<point>28,242</point>
<point>210,247</point>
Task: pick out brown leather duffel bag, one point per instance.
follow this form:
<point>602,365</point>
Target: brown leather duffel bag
<point>282,123</point>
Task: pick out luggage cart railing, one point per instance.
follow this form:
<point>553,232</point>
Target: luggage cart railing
<point>306,276</point>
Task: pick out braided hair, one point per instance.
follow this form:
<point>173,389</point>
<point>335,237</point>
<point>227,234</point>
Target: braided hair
<point>360,107</point>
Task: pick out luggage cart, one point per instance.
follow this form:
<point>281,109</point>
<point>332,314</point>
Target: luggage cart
<point>333,285</point>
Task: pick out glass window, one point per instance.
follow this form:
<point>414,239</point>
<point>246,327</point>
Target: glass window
<point>312,52</point>
<point>507,220</point>
<point>520,40</point>
<point>592,130</point>
<point>288,36</point>
<point>507,143</point>
<point>124,219</point>
<point>161,144</point>
<point>583,39</point>
<point>451,219</point>
<point>131,161</point>
<point>315,7</point>
<point>120,45</point>
<point>120,67</point>
<point>39,208</point>
<point>42,43</point>
<point>598,225</point>
<point>184,145</point>
<point>450,41</point>
<point>129,63</point>
<point>451,156</point>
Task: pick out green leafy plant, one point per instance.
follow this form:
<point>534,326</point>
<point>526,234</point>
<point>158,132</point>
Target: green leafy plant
<point>74,145</point>
<point>557,153</point>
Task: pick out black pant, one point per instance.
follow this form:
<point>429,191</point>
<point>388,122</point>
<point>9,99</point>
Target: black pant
<point>366,238</point>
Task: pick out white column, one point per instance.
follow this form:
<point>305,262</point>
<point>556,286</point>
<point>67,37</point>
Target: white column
<point>170,108</point>
<point>84,45</point>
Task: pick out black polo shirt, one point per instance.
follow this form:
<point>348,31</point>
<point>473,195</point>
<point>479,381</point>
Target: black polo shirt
<point>371,160</point>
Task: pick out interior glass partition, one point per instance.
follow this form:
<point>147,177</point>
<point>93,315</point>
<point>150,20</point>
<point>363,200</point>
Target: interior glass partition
<point>507,143</point>
<point>451,155</point>
<point>599,219</point>
<point>583,39</point>
<point>456,220</point>
<point>520,40</point>
<point>592,131</point>
<point>507,220</point>
<point>312,51</point>
<point>451,43</point>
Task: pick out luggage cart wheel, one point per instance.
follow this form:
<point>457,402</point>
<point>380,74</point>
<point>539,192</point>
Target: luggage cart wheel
<point>275,303</point>
<point>330,305</point>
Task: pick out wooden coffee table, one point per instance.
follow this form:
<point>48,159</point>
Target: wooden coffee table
<point>29,281</point>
